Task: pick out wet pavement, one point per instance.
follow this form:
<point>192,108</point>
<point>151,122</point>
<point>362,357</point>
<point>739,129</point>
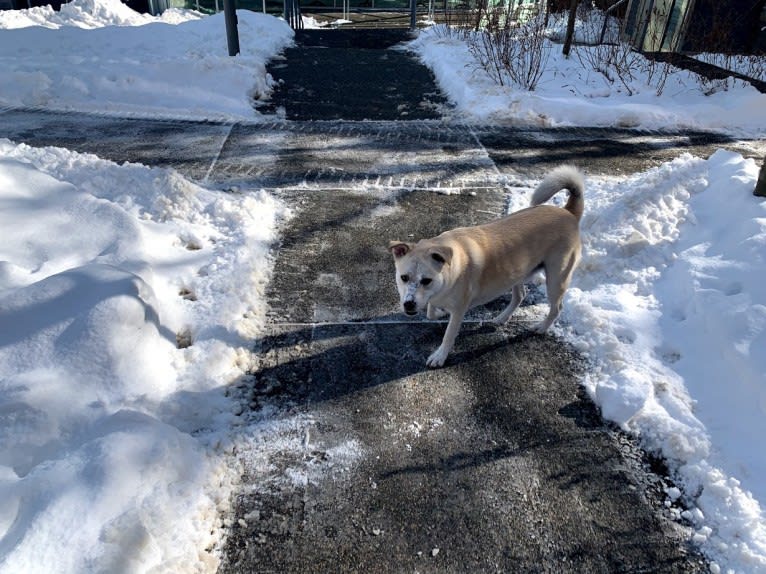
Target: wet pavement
<point>316,82</point>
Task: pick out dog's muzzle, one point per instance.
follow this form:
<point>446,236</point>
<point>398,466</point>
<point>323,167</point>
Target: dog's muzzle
<point>410,307</point>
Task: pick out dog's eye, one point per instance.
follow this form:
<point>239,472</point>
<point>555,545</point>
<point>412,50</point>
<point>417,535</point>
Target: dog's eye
<point>405,278</point>
<point>425,281</point>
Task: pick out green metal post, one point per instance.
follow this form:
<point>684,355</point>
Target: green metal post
<point>232,34</point>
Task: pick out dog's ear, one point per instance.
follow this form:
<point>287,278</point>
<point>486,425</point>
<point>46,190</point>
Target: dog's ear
<point>399,249</point>
<point>441,255</point>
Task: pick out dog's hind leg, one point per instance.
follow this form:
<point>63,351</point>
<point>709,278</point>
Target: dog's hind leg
<point>556,297</point>
<point>517,296</point>
<point>556,284</point>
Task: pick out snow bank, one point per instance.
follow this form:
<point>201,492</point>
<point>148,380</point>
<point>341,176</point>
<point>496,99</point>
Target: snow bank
<point>101,56</point>
<point>670,304</point>
<point>570,93</point>
<point>88,14</point>
<point>129,297</point>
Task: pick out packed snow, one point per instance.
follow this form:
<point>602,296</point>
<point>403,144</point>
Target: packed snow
<point>100,56</point>
<point>130,295</point>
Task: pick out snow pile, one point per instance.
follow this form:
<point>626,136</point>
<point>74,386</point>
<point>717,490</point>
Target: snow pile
<point>670,304</point>
<point>101,56</point>
<point>88,14</point>
<point>571,93</point>
<point>311,23</point>
<point>129,297</point>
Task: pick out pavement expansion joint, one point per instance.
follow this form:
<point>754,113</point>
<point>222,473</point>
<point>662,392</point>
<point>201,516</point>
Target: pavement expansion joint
<point>363,323</point>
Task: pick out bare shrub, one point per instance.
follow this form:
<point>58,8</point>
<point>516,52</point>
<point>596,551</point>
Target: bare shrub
<point>656,69</point>
<point>710,86</point>
<point>450,31</point>
<point>616,61</point>
<point>752,66</point>
<point>512,53</point>
<point>657,73</point>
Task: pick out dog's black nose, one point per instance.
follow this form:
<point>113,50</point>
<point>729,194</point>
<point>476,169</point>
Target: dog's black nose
<point>410,307</point>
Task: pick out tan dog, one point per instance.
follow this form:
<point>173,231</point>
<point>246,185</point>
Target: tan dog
<point>471,266</point>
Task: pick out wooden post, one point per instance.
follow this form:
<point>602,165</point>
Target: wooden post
<point>570,27</point>
<point>760,187</point>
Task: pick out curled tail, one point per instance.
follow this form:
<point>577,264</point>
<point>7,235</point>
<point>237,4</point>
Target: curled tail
<point>563,177</point>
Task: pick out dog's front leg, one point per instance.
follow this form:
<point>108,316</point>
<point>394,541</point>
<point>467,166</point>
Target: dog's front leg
<point>438,357</point>
<point>435,312</point>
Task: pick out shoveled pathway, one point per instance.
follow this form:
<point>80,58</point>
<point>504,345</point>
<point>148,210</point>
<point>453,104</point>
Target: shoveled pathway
<point>319,81</point>
<point>495,463</point>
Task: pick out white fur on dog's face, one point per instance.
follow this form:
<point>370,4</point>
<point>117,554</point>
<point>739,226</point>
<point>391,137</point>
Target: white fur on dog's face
<point>416,286</point>
<point>418,277</point>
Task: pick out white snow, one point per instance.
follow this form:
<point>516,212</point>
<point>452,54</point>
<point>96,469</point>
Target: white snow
<point>101,56</point>
<point>111,436</point>
<point>116,434</point>
<point>670,305</point>
<point>571,93</point>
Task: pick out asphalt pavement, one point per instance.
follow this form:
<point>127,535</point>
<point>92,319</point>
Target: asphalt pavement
<point>496,463</point>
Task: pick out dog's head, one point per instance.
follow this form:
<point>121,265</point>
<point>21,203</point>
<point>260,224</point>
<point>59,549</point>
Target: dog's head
<point>419,272</point>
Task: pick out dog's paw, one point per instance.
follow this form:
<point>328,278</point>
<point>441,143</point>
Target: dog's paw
<point>541,328</point>
<point>435,312</point>
<point>437,358</point>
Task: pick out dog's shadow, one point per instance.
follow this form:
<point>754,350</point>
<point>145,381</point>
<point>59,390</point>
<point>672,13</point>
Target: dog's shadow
<point>327,361</point>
